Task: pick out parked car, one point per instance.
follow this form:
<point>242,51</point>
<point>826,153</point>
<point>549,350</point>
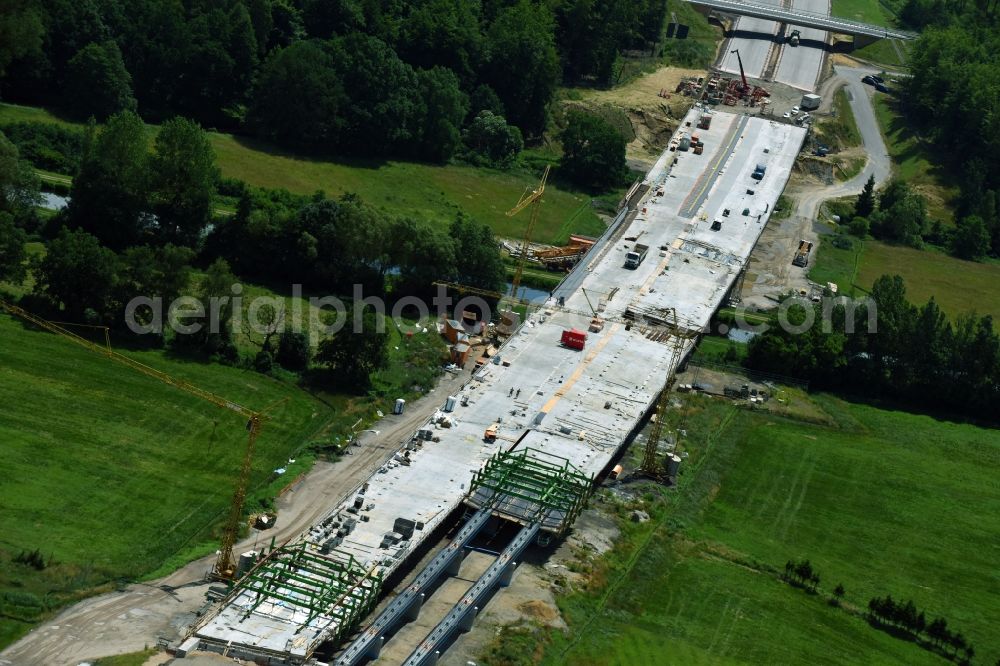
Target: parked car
<point>878,79</point>
<point>795,109</point>
<point>870,80</point>
<point>881,88</point>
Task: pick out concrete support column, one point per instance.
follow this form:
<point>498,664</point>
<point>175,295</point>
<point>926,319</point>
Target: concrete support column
<point>466,624</point>
<point>413,612</point>
<point>375,648</point>
<point>861,41</point>
<point>456,563</point>
<point>507,574</point>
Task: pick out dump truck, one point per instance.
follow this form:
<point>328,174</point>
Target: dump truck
<point>635,256</point>
<point>573,339</point>
<point>802,253</point>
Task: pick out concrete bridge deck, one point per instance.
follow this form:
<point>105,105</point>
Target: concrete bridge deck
<point>581,406</point>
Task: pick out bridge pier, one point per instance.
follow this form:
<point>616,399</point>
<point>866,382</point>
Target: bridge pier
<point>507,575</point>
<point>374,648</point>
<point>861,41</point>
<point>466,625</point>
<point>455,564</point>
<point>413,611</point>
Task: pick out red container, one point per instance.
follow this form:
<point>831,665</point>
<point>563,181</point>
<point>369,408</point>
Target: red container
<point>574,339</point>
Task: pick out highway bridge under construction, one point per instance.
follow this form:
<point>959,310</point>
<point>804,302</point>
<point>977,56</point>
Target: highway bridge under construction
<point>525,439</point>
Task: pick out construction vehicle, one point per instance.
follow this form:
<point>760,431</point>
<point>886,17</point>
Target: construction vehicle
<point>793,39</point>
<point>743,75</point>
<point>741,392</point>
<point>802,254</point>
<point>635,256</point>
<point>533,199</point>
<point>225,566</point>
<point>810,102</point>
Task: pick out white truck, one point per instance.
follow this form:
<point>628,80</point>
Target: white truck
<point>635,256</point>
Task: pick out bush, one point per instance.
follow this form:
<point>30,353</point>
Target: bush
<point>842,242</point>
<point>46,145</point>
<point>293,351</point>
<point>490,140</point>
<point>263,362</point>
<point>230,187</point>
<point>860,227</point>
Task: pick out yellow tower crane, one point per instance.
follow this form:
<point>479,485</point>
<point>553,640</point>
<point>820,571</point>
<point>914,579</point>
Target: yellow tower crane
<point>224,566</point>
<point>527,199</point>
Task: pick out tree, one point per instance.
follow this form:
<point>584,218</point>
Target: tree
<point>214,336</point>
<point>18,183</point>
<point>901,216</point>
<point>352,356</point>
<point>442,33</point>
<point>20,30</point>
<point>865,204</point>
<point>593,151</point>
<point>590,35</point>
<point>444,107</point>
<point>163,272</point>
<point>523,66</point>
<point>859,226</point>
<point>97,83</point>
<point>110,195</point>
<point>423,254</point>
<point>489,137</point>
<point>293,351</point>
<point>838,592</point>
<point>384,99</point>
<point>971,239</point>
<point>477,258</point>
<point>299,97</point>
<point>12,254</point>
<point>183,181</point>
<point>326,18</point>
<point>484,98</point>
<point>219,61</point>
<point>269,320</point>
<point>77,273</point>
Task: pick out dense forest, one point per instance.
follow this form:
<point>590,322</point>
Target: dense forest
<point>953,98</point>
<point>401,77</point>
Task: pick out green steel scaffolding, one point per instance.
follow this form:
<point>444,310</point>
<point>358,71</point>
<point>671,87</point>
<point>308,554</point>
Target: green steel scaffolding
<point>528,485</point>
<point>334,587</point>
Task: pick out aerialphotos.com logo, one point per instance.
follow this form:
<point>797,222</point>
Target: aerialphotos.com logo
<point>325,316</point>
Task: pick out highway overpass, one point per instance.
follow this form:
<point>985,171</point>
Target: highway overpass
<point>863,33</point>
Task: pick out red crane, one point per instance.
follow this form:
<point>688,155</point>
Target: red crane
<point>746,86</point>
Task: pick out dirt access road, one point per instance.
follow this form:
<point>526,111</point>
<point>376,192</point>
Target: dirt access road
<point>130,620</point>
<point>770,272</point>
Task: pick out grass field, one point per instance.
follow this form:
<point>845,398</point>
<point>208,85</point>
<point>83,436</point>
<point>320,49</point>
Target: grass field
<point>880,501</point>
<point>958,286</point>
<point>914,162</point>
<point>866,11</point>
<point>840,131</point>
<point>431,192</point>
<point>110,473</point>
